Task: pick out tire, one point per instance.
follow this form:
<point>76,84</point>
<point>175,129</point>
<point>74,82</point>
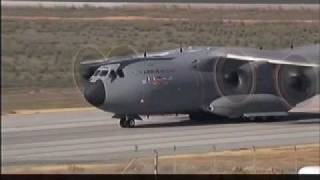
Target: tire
<point>252,118</point>
<point>264,118</point>
<point>195,116</point>
<point>123,123</point>
<point>131,123</point>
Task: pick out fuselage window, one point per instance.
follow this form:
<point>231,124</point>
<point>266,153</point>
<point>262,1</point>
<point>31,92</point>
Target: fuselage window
<point>120,73</point>
<point>103,73</point>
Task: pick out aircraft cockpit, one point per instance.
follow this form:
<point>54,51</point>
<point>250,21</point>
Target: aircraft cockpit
<point>107,71</point>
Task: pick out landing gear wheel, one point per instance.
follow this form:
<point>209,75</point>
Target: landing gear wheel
<point>123,123</point>
<point>198,116</point>
<point>262,118</point>
<point>131,123</point>
<point>251,118</point>
<point>127,123</point>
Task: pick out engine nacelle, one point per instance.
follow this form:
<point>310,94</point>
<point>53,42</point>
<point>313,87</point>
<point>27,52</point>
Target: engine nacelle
<point>295,84</point>
<point>234,77</point>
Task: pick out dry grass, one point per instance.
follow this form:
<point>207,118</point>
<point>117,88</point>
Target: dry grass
<point>267,160</point>
<point>15,99</point>
<point>39,53</point>
<point>169,12</point>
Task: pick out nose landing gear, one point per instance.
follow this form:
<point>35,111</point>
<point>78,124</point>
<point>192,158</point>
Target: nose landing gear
<point>127,122</point>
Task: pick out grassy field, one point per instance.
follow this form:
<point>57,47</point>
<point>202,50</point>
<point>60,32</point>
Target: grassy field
<point>281,160</point>
<point>45,98</point>
<point>199,1</point>
<point>37,53</point>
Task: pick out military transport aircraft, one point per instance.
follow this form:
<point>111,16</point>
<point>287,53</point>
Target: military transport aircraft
<point>232,82</point>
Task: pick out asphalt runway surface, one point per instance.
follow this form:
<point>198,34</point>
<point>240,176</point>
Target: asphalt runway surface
<point>148,5</point>
<point>93,136</point>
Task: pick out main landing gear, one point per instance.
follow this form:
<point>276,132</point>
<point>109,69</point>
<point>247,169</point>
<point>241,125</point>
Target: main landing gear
<point>127,122</point>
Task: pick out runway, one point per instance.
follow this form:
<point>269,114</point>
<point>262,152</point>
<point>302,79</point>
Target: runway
<point>93,136</point>
<point>243,6</point>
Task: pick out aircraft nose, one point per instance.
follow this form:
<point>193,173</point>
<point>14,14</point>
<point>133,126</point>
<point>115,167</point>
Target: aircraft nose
<point>94,93</point>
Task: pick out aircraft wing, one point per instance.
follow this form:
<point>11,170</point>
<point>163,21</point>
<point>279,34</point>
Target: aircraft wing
<point>271,60</point>
<point>246,104</point>
<point>299,57</point>
<point>123,62</point>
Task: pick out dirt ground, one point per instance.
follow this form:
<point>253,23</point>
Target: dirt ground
<point>146,18</point>
<point>279,160</point>
<point>311,105</point>
<point>14,99</point>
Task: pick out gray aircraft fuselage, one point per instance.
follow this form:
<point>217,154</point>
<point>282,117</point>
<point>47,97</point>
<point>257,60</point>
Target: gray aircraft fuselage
<point>189,81</point>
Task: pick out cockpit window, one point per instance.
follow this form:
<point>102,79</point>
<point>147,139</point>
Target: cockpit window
<point>103,73</point>
<point>96,73</point>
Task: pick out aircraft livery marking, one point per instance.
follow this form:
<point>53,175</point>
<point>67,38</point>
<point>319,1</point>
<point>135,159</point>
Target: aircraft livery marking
<point>157,71</point>
<point>157,80</point>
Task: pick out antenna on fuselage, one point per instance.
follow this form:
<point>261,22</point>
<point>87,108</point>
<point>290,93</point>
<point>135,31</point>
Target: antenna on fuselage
<point>145,54</point>
<point>181,48</point>
<point>291,46</point>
